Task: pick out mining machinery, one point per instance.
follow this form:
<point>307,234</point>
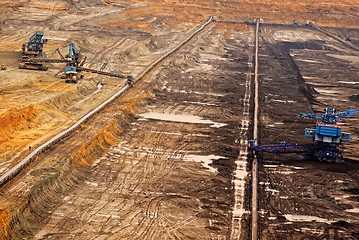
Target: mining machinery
<point>75,65</point>
<point>33,49</point>
<point>74,61</point>
<point>327,137</point>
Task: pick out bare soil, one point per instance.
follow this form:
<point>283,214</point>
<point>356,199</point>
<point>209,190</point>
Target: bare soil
<point>302,199</point>
<point>162,161</point>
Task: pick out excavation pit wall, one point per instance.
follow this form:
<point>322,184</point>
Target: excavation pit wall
<point>77,163</point>
<point>51,108</point>
<point>23,217</point>
<point>16,119</point>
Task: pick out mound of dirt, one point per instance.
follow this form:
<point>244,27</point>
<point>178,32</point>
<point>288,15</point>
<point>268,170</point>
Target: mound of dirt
<point>16,119</point>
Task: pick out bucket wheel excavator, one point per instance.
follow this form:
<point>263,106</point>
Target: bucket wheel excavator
<point>75,65</point>
<point>34,58</point>
<point>33,49</point>
<point>327,137</point>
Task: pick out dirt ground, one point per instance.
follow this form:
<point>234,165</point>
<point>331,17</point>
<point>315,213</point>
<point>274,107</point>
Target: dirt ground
<point>169,159</point>
<point>156,180</point>
<point>39,104</point>
<point>303,199</point>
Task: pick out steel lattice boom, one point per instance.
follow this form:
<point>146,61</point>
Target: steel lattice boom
<point>327,137</point>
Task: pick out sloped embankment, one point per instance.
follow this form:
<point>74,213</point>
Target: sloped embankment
<point>25,126</point>
<point>16,119</point>
<point>23,217</point>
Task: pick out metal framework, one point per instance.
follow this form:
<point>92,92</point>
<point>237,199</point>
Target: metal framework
<point>327,137</point>
<point>36,60</point>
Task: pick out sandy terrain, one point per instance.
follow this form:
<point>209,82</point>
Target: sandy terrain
<point>169,159</point>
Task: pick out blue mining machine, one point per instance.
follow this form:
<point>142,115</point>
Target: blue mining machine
<point>75,64</point>
<point>327,137</point>
<point>34,58</point>
<point>33,49</point>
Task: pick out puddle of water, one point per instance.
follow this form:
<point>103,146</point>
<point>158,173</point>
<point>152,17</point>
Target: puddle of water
<point>200,135</point>
<point>353,210</point>
<point>312,78</point>
<point>207,93</point>
<point>204,159</point>
<point>339,181</point>
<point>342,198</point>
<point>307,60</point>
<point>286,168</point>
<point>91,183</point>
<point>195,92</point>
<point>348,82</point>
<point>284,172</point>
<point>180,134</point>
<point>312,230</point>
<point>181,118</point>
<point>267,189</point>
<point>321,91</point>
<point>282,101</point>
<point>299,168</point>
<point>200,103</point>
<point>306,218</point>
<point>167,133</point>
<point>264,183</point>
<point>270,166</point>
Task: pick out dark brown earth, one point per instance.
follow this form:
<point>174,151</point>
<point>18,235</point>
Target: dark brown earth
<point>125,175</point>
<point>135,178</point>
<point>291,185</point>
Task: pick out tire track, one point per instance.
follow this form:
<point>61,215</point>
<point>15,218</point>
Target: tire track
<point>11,173</point>
<point>129,212</point>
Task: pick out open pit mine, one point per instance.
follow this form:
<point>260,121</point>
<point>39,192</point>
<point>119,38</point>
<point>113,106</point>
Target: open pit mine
<point>179,119</point>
